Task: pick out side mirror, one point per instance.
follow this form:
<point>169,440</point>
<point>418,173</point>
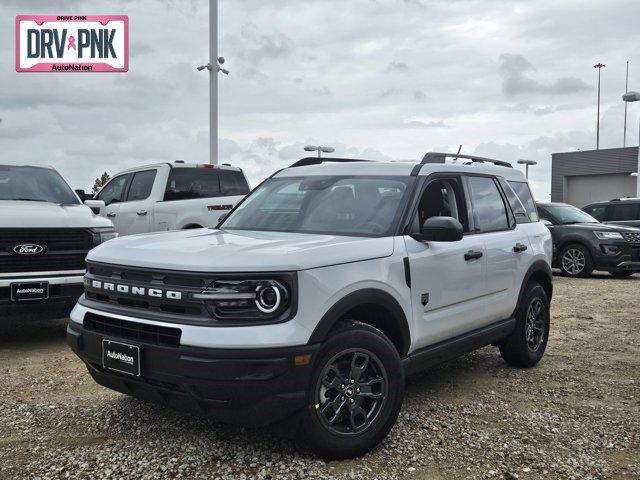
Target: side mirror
<point>547,223</point>
<point>81,194</point>
<point>440,229</point>
<point>97,206</point>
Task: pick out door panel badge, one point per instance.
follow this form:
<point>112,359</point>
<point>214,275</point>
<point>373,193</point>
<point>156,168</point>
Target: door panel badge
<point>424,299</point>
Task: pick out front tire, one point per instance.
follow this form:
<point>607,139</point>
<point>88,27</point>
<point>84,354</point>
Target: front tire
<point>356,392</point>
<point>576,261</point>
<point>527,343</point>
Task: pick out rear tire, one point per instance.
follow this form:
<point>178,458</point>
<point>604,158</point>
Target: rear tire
<point>621,274</point>
<point>575,261</point>
<point>526,345</point>
<point>356,392</point>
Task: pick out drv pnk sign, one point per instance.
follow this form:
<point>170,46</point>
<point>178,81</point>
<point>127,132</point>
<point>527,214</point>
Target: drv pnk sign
<point>72,43</point>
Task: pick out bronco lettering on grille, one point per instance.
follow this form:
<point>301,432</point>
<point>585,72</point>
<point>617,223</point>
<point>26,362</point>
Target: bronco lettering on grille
<point>141,291</point>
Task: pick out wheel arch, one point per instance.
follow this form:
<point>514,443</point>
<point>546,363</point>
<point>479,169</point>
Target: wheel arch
<point>374,307</point>
<point>539,272</point>
<point>190,226</point>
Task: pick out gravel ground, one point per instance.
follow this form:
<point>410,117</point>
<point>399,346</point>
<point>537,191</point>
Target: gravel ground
<point>577,415</point>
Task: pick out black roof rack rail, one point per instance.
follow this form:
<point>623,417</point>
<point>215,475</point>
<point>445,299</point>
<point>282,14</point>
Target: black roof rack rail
<point>440,157</point>
<point>318,160</point>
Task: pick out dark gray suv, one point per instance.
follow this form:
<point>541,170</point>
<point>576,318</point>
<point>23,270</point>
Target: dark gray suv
<point>582,244</point>
<point>620,211</point>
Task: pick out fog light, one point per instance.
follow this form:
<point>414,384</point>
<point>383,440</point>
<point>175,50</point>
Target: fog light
<point>610,249</point>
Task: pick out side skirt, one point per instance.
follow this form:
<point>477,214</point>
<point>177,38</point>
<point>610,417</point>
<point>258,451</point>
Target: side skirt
<point>454,347</point>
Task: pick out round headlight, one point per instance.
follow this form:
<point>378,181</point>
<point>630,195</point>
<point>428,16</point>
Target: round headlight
<point>268,298</point>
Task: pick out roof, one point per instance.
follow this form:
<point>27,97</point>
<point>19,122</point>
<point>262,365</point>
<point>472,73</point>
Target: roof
<point>554,204</point>
<point>180,164</point>
<point>331,166</point>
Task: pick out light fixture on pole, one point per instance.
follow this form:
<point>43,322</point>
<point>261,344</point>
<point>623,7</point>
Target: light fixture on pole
<point>213,80</point>
<point>527,163</point>
<point>635,97</point>
<point>319,149</point>
<point>599,67</point>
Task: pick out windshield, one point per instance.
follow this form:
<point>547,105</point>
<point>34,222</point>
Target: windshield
<point>34,184</point>
<point>339,205</point>
<point>566,214</point>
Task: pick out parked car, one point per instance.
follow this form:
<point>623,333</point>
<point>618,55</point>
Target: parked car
<point>620,211</point>
<point>582,244</point>
<point>169,196</point>
<point>319,292</point>
<point>45,234</point>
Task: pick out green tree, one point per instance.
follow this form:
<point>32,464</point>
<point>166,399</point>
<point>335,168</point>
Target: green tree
<point>100,182</point>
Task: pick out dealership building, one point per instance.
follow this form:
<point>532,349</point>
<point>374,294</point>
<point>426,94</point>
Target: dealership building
<point>583,177</point>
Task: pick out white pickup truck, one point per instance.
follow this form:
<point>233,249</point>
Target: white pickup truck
<point>169,196</point>
<point>45,234</point>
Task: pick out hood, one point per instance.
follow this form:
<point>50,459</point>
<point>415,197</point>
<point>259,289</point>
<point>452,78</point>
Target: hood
<point>20,214</point>
<point>206,250</point>
<point>602,227</point>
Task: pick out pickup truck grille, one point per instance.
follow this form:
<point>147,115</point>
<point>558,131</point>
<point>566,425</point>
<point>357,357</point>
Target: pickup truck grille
<point>64,249</point>
<point>631,237</point>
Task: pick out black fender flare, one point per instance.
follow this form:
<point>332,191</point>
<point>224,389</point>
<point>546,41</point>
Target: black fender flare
<point>539,267</point>
<point>367,296</point>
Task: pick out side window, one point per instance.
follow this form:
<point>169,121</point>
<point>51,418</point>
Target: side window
<point>519,212</point>
<point>113,191</point>
<point>489,211</point>
<point>186,183</point>
<point>597,211</point>
<point>523,192</point>
<point>141,185</point>
<point>622,211</point>
<point>233,183</point>
<point>441,198</point>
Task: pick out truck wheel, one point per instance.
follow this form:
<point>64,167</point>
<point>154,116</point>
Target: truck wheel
<point>528,341</point>
<point>575,261</point>
<point>356,391</point>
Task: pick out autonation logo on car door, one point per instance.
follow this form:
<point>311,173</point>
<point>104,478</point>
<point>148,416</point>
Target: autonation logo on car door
<point>72,43</point>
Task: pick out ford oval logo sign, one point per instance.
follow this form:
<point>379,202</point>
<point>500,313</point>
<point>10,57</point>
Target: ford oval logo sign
<point>28,249</point>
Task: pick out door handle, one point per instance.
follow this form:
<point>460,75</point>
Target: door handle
<point>111,214</point>
<point>472,255</point>
<point>141,212</point>
<point>519,247</point>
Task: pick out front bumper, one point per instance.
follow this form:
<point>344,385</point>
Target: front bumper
<point>243,386</point>
<point>627,257</point>
<point>64,292</point>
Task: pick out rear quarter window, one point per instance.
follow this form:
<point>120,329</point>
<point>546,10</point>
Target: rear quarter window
<point>623,211</point>
<point>522,190</point>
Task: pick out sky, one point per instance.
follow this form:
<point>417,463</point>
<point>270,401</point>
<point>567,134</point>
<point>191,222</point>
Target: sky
<point>377,79</point>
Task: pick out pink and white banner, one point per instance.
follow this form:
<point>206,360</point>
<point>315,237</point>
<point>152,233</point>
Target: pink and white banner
<point>72,43</point>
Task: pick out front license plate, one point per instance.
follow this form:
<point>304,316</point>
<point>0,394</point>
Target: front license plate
<point>121,357</point>
<point>21,292</point>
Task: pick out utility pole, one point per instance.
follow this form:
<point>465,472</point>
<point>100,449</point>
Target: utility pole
<point>626,90</point>
<point>599,67</point>
<point>213,82</point>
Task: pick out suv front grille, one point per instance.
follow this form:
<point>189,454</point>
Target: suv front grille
<point>631,237</point>
<point>141,332</point>
<point>65,249</point>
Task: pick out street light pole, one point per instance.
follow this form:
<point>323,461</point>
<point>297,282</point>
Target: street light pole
<point>527,163</point>
<point>319,149</point>
<point>635,97</point>
<point>213,82</point>
<point>626,89</point>
<point>599,67</point>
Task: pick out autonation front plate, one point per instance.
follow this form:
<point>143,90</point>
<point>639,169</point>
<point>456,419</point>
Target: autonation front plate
<point>72,43</point>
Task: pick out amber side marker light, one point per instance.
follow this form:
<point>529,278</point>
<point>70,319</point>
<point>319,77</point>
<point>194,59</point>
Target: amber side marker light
<point>302,359</point>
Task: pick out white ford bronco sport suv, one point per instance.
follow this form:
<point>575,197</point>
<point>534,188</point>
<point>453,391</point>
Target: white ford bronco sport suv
<point>169,196</point>
<point>319,292</point>
<point>45,234</point>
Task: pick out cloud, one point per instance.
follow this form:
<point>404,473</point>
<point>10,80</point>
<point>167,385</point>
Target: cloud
<point>515,70</point>
<point>421,124</point>
<point>397,67</point>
